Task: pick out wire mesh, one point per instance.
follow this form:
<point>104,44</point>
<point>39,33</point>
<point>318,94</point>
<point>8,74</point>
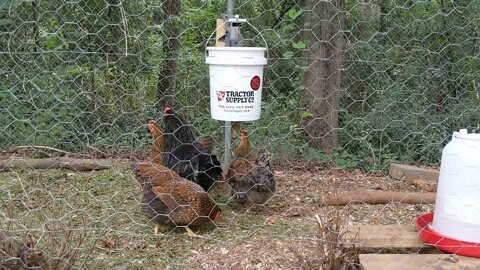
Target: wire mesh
<point>351,86</point>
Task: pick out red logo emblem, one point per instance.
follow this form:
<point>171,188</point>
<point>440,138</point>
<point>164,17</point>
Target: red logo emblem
<point>255,83</point>
<point>220,95</point>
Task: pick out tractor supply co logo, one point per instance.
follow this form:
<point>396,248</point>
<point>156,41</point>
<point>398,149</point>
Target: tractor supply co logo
<point>220,95</point>
<point>236,96</point>
<point>240,96</point>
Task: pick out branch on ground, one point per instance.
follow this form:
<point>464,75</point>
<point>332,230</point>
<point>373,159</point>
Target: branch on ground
<point>378,197</point>
<point>74,164</point>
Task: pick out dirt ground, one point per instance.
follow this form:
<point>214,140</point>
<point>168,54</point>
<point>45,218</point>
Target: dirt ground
<point>293,209</point>
<point>105,206</point>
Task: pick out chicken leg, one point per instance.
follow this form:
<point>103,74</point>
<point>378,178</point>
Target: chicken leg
<point>160,228</point>
<point>191,233</point>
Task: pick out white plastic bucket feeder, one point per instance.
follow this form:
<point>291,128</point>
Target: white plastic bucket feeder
<point>236,80</point>
<point>457,205</point>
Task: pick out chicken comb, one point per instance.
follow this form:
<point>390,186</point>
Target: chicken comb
<point>151,123</point>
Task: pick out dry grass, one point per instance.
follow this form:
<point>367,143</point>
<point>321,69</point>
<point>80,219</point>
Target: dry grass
<point>330,253</point>
<point>94,218</point>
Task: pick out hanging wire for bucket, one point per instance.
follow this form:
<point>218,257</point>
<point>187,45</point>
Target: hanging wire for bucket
<point>251,25</point>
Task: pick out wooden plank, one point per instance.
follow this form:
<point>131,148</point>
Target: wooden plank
<point>220,33</point>
<point>410,172</point>
<point>417,261</point>
<point>384,236</point>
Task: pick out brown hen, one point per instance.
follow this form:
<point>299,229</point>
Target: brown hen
<point>250,174</point>
<point>168,199</point>
<point>175,201</point>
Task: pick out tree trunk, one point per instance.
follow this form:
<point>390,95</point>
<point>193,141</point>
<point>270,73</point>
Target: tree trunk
<point>324,22</point>
<point>383,16</point>
<point>36,28</point>
<point>171,46</point>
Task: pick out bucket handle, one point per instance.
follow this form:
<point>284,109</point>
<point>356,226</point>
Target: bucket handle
<point>254,28</point>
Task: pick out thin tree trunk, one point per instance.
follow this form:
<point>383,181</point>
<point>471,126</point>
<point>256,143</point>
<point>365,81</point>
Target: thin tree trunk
<point>325,53</point>
<point>36,27</point>
<point>383,16</point>
<point>171,46</point>
<point>451,85</point>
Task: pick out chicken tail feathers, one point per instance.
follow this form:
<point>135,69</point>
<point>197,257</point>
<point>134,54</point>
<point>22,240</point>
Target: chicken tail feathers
<point>264,161</point>
<point>209,171</point>
<point>263,175</point>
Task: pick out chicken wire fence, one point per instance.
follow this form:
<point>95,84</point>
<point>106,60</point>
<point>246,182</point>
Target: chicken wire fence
<point>350,86</point>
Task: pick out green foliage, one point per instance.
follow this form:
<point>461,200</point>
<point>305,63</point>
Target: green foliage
<point>78,73</point>
<point>417,86</point>
<point>10,4</point>
<point>299,45</point>
<point>294,13</point>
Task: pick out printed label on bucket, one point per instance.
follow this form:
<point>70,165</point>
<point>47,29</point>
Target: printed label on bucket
<point>238,102</point>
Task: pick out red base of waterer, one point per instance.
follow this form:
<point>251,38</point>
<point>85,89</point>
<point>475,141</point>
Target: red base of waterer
<point>444,243</point>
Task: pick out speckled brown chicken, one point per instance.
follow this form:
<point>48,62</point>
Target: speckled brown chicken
<point>172,200</point>
<point>168,199</point>
<point>250,175</point>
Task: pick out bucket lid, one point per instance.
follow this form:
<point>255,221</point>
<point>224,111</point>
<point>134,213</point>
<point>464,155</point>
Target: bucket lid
<point>463,134</point>
<point>236,49</point>
<point>236,56</point>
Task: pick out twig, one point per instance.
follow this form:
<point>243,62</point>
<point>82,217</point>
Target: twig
<point>76,164</point>
<point>16,148</point>
<point>96,149</point>
<point>125,26</point>
<point>318,220</point>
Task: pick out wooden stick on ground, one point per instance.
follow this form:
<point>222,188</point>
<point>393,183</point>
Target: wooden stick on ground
<point>378,197</point>
<point>17,148</point>
<point>75,164</point>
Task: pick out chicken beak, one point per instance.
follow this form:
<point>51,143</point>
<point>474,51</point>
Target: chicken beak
<point>150,128</point>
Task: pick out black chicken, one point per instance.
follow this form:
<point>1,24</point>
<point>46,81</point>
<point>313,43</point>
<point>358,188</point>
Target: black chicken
<point>186,156</point>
